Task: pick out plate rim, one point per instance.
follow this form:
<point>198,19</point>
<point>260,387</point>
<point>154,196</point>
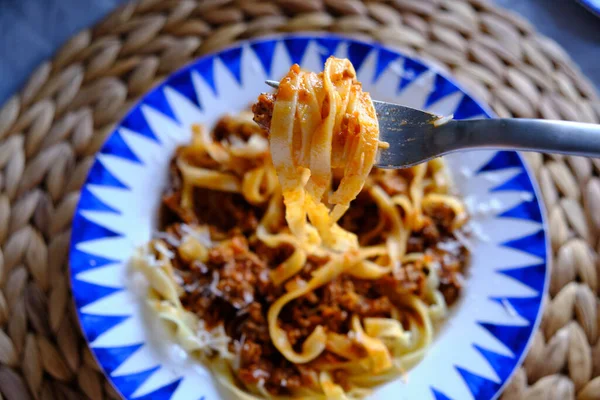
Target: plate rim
<point>591,6</point>
<point>431,66</point>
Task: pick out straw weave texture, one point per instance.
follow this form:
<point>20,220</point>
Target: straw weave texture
<point>50,131</point>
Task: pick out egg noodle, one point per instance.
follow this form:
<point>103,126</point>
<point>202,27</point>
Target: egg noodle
<point>266,272</point>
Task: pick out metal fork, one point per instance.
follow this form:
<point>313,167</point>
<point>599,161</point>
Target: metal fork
<point>416,136</point>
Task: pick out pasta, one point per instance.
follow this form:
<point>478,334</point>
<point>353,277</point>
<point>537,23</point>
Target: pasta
<point>288,264</point>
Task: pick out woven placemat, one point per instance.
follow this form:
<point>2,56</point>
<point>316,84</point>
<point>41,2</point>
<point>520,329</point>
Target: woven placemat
<point>50,131</point>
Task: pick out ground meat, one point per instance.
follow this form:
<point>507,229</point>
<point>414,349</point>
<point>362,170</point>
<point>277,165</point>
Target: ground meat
<point>451,274</point>
<point>235,126</point>
<point>263,110</point>
<point>231,278</point>
<point>225,211</point>
<point>362,218</point>
<point>232,287</point>
<point>443,216</point>
<point>392,182</point>
<point>410,278</point>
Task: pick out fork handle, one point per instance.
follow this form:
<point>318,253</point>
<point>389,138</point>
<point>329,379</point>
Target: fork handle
<point>562,137</point>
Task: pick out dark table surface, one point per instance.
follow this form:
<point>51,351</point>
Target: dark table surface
<point>32,30</point>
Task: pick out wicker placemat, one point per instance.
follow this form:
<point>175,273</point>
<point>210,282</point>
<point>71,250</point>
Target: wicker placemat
<point>50,131</point>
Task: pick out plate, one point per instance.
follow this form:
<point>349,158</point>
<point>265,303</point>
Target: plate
<point>592,5</point>
<point>487,333</point>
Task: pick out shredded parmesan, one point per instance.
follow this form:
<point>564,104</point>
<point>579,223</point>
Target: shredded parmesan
<point>150,259</point>
<point>248,297</point>
<point>478,232</point>
<point>448,246</point>
<point>443,120</point>
<point>491,177</point>
<point>162,249</point>
<point>213,340</point>
<point>213,285</point>
<point>466,172</point>
<point>201,234</point>
<point>167,237</point>
<point>463,240</point>
<point>238,345</point>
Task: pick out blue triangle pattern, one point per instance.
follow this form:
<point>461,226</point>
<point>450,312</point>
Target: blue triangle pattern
<point>532,276</point>
<point>116,146</point>
<point>88,201</point>
<point>157,100</point>
<point>533,244</point>
<point>502,160</point>
<point>519,182</point>
<point>526,307</point>
<point>265,51</point>
<point>357,53</point>
<point>412,70</point>
<point>528,210</point>
<point>81,261</point>
<point>513,337</point>
<point>442,88</point>
<point>86,293</point>
<point>233,61</point>
<point>128,384</point>
<point>468,108</point>
<point>96,325</point>
<point>503,365</point>
<point>328,47</point>
<point>182,83</point>
<point>296,48</point>
<point>384,59</point>
<point>206,68</point>
<point>439,395</point>
<point>99,175</point>
<point>135,121</point>
<point>111,357</point>
<point>480,387</point>
<point>84,230</point>
<point>164,392</point>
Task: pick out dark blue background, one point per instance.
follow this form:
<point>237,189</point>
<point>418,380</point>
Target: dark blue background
<point>32,30</point>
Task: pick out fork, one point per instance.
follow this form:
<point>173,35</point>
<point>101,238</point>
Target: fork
<point>416,136</point>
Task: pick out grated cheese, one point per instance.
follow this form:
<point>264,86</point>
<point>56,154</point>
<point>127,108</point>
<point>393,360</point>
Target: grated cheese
<point>248,297</point>
<point>463,240</point>
<point>150,259</point>
<point>443,120</point>
<point>162,249</point>
<point>466,172</point>
<point>449,246</point>
<point>202,234</point>
<point>478,232</point>
<point>238,345</point>
<point>213,285</point>
<point>167,237</point>
<point>213,340</point>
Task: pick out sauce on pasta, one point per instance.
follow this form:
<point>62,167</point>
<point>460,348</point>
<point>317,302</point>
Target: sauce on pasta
<point>287,263</point>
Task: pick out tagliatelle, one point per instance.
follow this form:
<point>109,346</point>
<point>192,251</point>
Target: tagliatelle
<point>289,265</point>
<point>321,123</point>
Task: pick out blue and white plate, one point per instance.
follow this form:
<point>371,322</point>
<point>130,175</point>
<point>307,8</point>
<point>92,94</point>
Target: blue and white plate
<point>592,5</point>
<point>488,331</point>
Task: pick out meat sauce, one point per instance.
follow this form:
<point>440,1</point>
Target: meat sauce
<point>233,287</point>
